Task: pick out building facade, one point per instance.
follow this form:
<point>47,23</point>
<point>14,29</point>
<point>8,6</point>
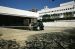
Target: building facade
<point>10,17</point>
<point>64,11</point>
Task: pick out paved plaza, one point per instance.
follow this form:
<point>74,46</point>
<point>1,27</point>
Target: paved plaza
<point>20,35</point>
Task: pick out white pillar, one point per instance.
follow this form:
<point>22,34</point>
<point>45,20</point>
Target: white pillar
<point>74,15</point>
<point>61,15</point>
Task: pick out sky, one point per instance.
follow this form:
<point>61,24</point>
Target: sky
<point>30,4</point>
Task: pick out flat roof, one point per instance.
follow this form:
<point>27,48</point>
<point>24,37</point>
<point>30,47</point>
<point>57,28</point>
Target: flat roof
<point>17,12</point>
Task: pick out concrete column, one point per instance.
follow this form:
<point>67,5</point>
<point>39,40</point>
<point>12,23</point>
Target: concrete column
<point>74,15</point>
<point>33,20</point>
<point>26,22</point>
<point>61,15</point>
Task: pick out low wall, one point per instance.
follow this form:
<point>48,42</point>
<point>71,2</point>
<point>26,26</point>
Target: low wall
<point>64,23</point>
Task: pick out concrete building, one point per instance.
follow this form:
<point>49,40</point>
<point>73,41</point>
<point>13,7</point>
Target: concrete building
<point>16,17</point>
<point>59,12</point>
<point>62,16</point>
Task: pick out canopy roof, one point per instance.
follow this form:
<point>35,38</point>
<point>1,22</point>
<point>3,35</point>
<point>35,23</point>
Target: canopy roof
<point>17,12</point>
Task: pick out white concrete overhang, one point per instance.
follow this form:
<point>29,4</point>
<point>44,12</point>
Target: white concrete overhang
<point>18,12</point>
